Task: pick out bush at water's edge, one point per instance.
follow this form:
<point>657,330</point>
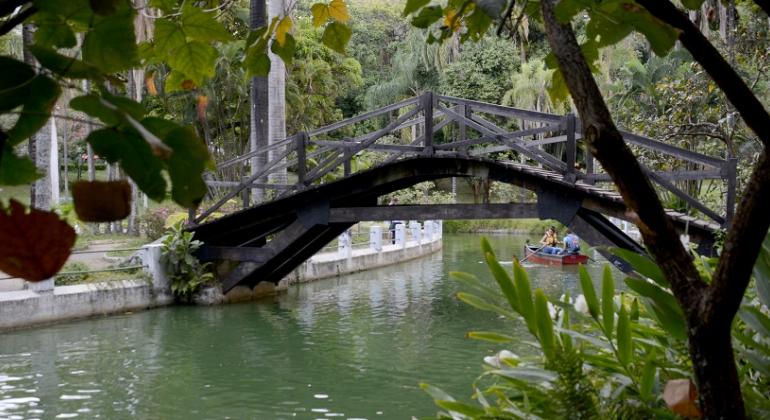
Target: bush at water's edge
<point>524,226</point>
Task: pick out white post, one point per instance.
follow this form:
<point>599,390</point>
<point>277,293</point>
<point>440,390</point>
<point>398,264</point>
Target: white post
<point>440,228</point>
<point>54,167</point>
<point>416,229</point>
<point>428,225</point>
<point>343,244</point>
<point>375,237</point>
<point>401,235</point>
<point>45,286</point>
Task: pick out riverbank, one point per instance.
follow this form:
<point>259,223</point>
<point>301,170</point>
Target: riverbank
<point>43,303</point>
<point>512,226</point>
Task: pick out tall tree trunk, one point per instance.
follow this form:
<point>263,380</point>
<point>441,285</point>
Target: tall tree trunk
<point>709,308</point>
<point>135,93</point>
<point>276,97</point>
<point>258,97</point>
<point>53,163</point>
<point>26,33</point>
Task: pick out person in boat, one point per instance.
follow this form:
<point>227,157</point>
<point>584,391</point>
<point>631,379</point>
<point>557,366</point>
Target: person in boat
<point>571,243</point>
<point>550,242</point>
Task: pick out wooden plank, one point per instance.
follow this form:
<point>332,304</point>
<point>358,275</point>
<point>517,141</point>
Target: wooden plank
<point>365,116</point>
<point>571,151</point>
<point>672,150</point>
<point>434,211</point>
<point>504,111</point>
<point>236,184</point>
<point>668,175</point>
<point>378,147</point>
<point>325,167</point>
<point>686,197</point>
<point>267,169</point>
<point>302,140</point>
<point>248,155</point>
<point>427,109</point>
<point>253,254</point>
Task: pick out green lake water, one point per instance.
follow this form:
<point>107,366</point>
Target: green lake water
<point>354,347</point>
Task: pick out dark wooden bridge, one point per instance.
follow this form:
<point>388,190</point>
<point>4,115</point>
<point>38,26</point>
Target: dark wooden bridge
<point>450,137</point>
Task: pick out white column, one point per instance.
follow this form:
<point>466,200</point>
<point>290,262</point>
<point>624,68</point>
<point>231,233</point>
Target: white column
<point>276,82</point>
<point>401,235</point>
<point>54,164</point>
<point>344,245</point>
<point>416,229</point>
<point>375,237</point>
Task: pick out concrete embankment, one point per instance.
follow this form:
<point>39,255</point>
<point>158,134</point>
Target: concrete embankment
<point>42,303</point>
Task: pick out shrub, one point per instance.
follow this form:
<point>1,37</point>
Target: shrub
<point>154,223</point>
<point>187,274</point>
<point>604,355</point>
<point>68,279</point>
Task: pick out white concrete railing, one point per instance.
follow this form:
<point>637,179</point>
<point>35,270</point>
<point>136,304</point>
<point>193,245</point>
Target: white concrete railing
<point>419,233</point>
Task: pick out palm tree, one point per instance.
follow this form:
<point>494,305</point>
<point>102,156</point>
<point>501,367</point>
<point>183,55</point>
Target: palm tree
<point>259,101</point>
<point>276,98</point>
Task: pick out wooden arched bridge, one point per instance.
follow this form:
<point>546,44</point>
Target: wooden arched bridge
<point>428,138</point>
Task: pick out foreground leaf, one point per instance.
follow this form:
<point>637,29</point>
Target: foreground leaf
<point>35,245</point>
<point>98,201</point>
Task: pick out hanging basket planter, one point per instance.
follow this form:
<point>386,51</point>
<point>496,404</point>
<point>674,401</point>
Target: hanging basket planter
<point>102,201</point>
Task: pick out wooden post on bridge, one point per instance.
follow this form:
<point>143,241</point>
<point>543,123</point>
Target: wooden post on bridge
<point>427,107</point>
<point>301,141</point>
<point>569,125</point>
<point>730,170</point>
<point>246,194</point>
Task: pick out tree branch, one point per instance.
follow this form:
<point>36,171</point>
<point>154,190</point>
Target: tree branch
<point>764,4</point>
<point>17,19</point>
<point>738,93</point>
<point>8,6</point>
<point>607,145</point>
<point>741,248</point>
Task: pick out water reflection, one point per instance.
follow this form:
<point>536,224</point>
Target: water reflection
<point>352,347</point>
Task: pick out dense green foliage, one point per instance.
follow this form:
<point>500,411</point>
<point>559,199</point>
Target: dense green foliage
<point>186,273</point>
<point>602,354</point>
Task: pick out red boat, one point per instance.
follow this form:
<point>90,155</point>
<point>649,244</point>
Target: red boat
<point>532,253</point>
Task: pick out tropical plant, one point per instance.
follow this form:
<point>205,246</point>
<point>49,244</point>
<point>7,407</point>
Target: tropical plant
<point>185,271</point>
<point>602,354</point>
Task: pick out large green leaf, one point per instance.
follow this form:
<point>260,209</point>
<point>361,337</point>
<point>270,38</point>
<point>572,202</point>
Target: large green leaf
<point>15,170</point>
<point>14,84</point>
<point>587,286</point>
<point>524,293</point>
<point>461,408</point>
<point>285,51</point>
<point>75,11</point>
<point>54,31</point>
<point>503,281</point>
<point>427,16</point>
<point>642,265</point>
<point>62,65</point>
<point>413,6</point>
<point>608,304</point>
<point>168,37</point>
<point>544,323</point>
<point>135,157</point>
<point>762,273</point>
<point>110,45</point>
<point>40,99</point>
<point>202,26</point>
<point>195,59</point>
<point>336,36</point>
<point>111,110</point>
<point>482,304</point>
<point>625,344</point>
<point>189,159</point>
<point>755,319</point>
<point>664,306</point>
<point>490,336</point>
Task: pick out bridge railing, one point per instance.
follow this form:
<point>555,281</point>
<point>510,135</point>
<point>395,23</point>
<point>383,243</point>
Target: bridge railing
<point>437,125</point>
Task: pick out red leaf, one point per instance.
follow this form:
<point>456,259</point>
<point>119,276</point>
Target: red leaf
<point>681,397</point>
<point>34,245</point>
<point>100,201</point>
<point>203,103</point>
